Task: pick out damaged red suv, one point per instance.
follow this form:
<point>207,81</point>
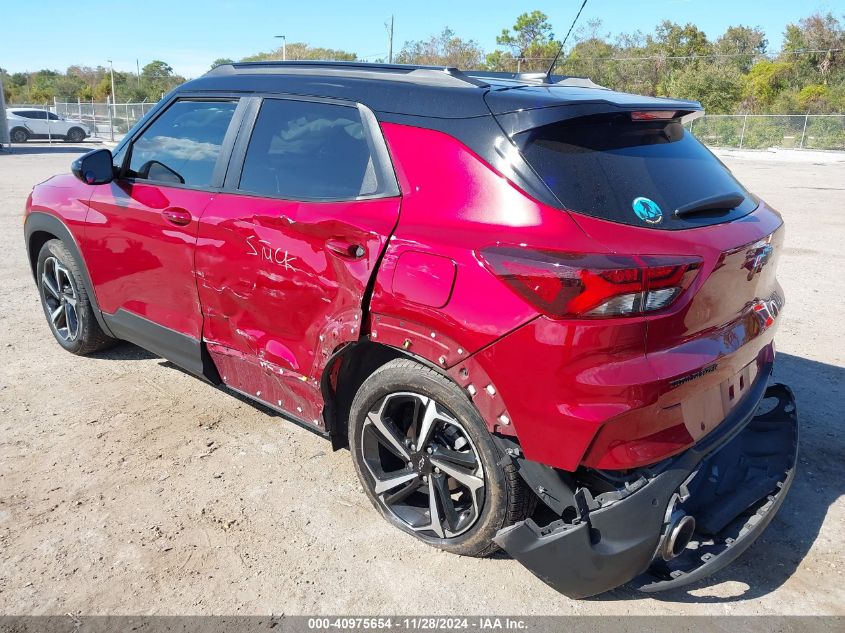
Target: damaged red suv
<point>539,313</point>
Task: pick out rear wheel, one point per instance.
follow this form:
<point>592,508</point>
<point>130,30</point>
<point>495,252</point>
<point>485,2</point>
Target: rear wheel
<point>65,301</point>
<point>428,463</point>
<point>75,135</point>
<point>19,135</point>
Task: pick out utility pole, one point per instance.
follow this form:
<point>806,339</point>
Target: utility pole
<point>111,70</point>
<point>284,47</point>
<point>138,70</point>
<point>390,41</point>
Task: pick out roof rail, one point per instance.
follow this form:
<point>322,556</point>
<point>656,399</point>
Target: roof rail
<point>431,75</point>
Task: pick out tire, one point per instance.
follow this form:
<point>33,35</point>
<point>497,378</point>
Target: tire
<point>19,135</point>
<point>63,296</point>
<point>395,401</point>
<point>75,135</point>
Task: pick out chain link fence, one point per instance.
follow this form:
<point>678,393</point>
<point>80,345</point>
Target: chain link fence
<point>764,131</point>
<point>744,131</point>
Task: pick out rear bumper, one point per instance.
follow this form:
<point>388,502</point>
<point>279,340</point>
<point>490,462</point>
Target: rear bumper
<point>732,482</point>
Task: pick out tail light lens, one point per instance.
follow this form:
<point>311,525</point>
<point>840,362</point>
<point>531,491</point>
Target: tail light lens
<point>592,285</point>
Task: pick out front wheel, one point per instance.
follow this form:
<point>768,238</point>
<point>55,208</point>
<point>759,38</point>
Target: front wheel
<point>428,463</point>
<point>69,312</point>
<point>18,135</point>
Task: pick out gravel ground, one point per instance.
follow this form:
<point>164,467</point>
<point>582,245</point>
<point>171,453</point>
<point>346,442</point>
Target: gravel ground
<point>129,487</point>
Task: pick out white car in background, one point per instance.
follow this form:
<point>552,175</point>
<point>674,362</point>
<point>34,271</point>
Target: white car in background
<point>29,123</point>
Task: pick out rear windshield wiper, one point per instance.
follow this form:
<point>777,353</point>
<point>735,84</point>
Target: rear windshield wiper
<point>722,202</point>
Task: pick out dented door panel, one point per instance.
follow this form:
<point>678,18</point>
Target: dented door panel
<point>281,284</point>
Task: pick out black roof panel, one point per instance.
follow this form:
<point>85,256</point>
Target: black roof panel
<point>428,91</point>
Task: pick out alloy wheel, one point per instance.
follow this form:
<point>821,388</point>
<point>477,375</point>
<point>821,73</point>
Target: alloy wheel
<point>61,299</point>
<point>426,471</point>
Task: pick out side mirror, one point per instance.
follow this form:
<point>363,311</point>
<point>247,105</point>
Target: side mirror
<point>94,168</point>
<point>154,170</point>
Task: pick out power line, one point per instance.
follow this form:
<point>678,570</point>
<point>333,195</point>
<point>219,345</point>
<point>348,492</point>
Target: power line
<point>707,56</point>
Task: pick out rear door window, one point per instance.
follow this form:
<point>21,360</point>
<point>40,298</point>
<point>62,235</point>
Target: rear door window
<point>633,172</point>
<point>182,145</point>
<point>304,150</point>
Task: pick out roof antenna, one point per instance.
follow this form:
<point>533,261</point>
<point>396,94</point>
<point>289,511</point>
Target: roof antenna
<point>560,50</point>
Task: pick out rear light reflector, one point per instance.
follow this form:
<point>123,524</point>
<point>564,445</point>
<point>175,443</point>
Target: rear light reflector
<point>592,285</point>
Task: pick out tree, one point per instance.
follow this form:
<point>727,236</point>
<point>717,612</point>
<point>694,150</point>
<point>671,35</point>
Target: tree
<point>676,40</point>
<point>531,45</point>
<point>157,70</point>
<point>300,50</point>
<point>816,45</point>
<point>816,99</point>
<point>222,61</point>
<point>530,29</point>
<point>592,56</point>
<point>764,82</point>
<point>156,78</point>
<point>445,49</point>
<point>717,86</point>
<point>746,44</point>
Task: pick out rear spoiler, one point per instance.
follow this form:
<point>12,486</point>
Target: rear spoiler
<point>560,104</point>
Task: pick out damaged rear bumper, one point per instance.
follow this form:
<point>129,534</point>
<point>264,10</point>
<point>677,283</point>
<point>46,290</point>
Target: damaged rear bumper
<point>732,483</point>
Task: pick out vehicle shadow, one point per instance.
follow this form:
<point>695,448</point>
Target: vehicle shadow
<point>819,481</point>
<point>124,351</point>
<point>129,351</point>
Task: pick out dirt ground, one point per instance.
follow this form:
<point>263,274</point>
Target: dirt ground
<point>129,487</point>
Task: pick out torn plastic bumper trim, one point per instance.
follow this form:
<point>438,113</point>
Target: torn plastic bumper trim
<point>729,523</point>
<point>734,487</point>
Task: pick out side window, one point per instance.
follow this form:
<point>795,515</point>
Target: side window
<point>40,114</point>
<point>183,144</point>
<point>302,150</point>
<point>52,117</point>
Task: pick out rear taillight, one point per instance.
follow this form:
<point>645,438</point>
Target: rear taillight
<point>592,285</point>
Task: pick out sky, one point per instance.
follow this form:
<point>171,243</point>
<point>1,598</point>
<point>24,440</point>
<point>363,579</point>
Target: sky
<point>190,34</point>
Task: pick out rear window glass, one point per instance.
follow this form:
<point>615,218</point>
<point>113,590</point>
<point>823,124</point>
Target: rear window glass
<point>633,172</point>
<point>302,150</point>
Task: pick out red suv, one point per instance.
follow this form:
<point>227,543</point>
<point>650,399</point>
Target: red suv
<point>538,312</point>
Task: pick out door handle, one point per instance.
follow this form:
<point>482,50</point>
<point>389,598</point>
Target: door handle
<point>176,216</point>
<point>345,249</point>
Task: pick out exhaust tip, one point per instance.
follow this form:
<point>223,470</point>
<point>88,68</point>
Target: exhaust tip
<point>678,535</point>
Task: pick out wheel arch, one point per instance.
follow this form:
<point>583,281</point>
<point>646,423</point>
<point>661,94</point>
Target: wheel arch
<point>351,365</point>
<point>344,374</point>
<point>41,227</point>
